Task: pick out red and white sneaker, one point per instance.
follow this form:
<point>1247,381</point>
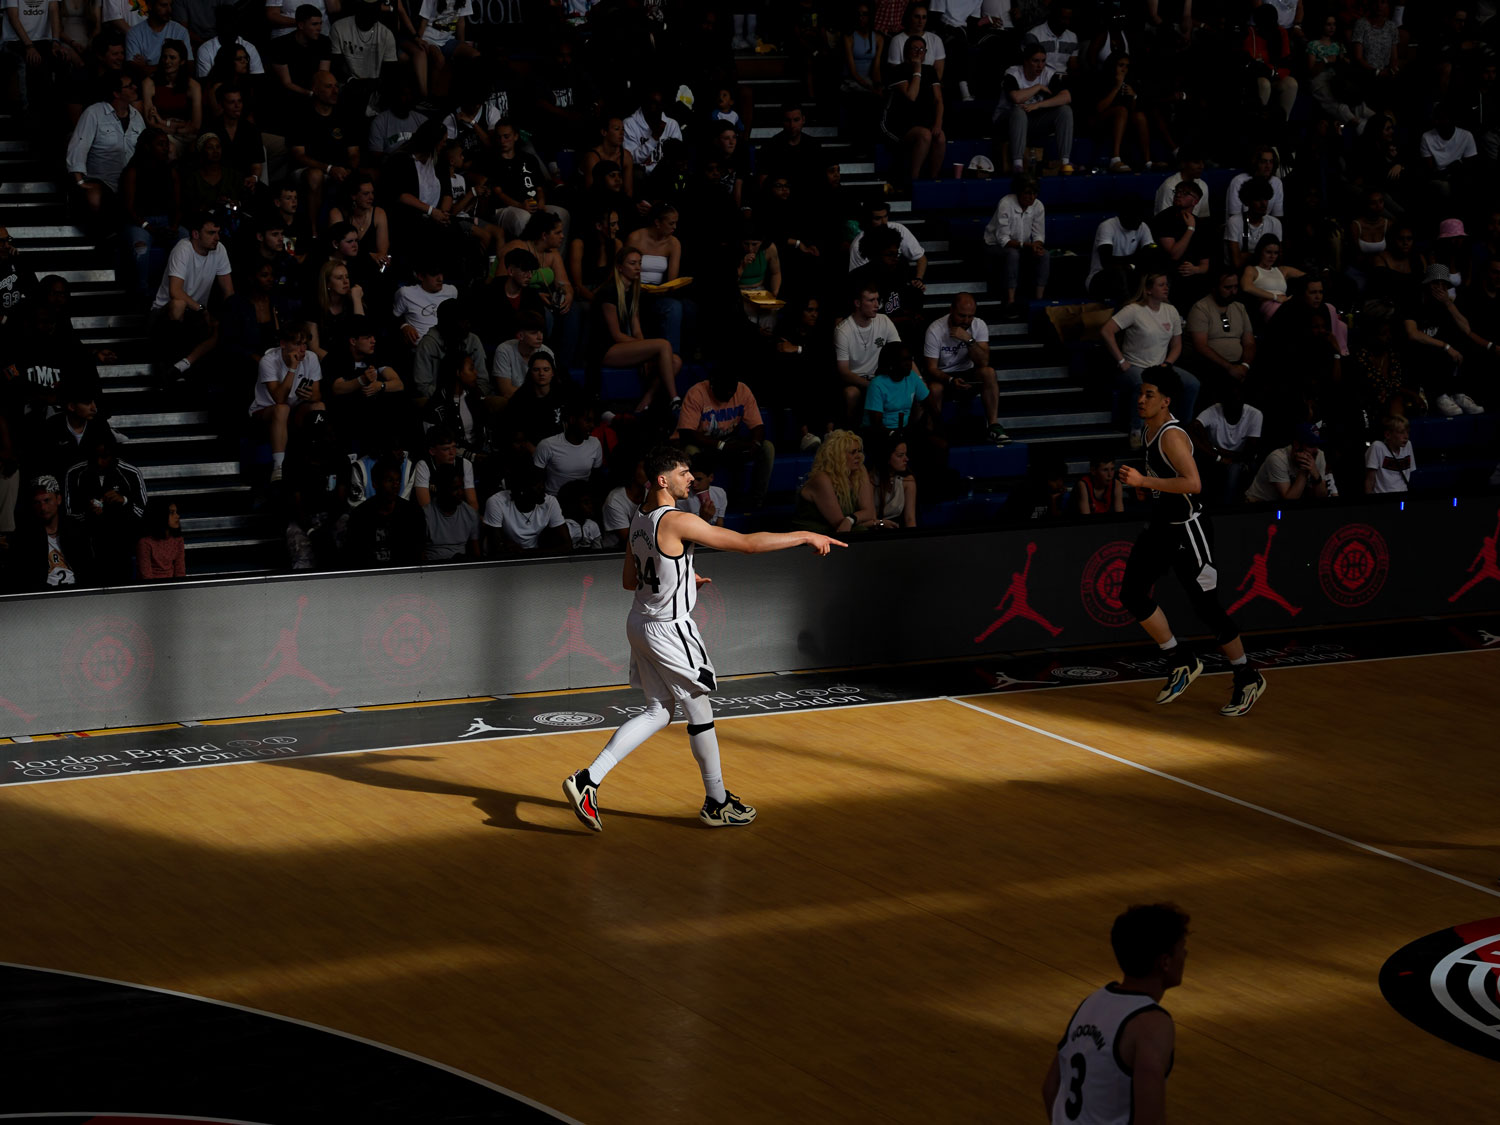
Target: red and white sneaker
<point>584,795</point>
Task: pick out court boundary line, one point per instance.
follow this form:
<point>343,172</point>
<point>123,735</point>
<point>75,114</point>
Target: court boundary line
<point>1240,801</point>
<point>474,1078</point>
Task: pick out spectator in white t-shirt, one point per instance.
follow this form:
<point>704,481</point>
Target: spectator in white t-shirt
<point>1243,232</point>
<point>1226,438</point>
<point>1034,101</point>
<point>1262,166</point>
<point>452,525</point>
<point>1054,36</point>
<point>914,23</point>
<point>621,504</point>
<point>956,362</point>
<point>1292,473</point>
<point>1448,152</point>
<point>523,519</point>
<point>1189,167</point>
<point>1389,462</point>
<point>288,389</point>
<point>1117,241</point>
<point>442,450</point>
<point>1152,337</point>
<point>856,348</point>
<point>911,249</point>
<point>706,499</point>
<point>196,265</point>
<point>573,454</point>
<point>1015,235</point>
<point>416,306</point>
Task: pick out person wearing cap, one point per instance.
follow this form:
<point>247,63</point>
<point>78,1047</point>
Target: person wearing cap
<point>1176,232</point>
<point>49,552</point>
<point>1016,235</point>
<point>1437,338</point>
<point>1294,472</point>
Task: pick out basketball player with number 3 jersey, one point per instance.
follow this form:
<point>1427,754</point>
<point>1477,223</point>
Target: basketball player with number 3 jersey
<point>1112,1062</point>
<point>668,660</point>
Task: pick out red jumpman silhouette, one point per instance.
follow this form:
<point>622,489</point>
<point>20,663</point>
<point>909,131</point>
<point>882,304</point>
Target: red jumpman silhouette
<point>1259,587</point>
<point>572,627</point>
<point>25,716</point>
<point>1485,562</point>
<point>289,664</point>
<point>1014,604</point>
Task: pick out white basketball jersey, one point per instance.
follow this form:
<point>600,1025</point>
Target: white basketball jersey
<point>665,589</point>
<point>1096,1088</point>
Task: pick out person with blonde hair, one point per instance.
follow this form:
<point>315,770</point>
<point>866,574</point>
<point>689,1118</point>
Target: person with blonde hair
<point>1152,337</point>
<point>340,300</point>
<point>838,496</point>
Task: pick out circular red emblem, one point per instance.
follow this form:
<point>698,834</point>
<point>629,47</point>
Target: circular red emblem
<point>107,662</point>
<point>406,640</point>
<point>1102,577</point>
<point>1353,565</point>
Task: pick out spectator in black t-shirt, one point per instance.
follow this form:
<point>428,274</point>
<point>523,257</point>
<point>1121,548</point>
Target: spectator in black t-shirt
<point>365,397</point>
<point>64,439</point>
<point>565,100</point>
<point>244,147</point>
<point>17,283</point>
<point>1187,250</point>
<point>386,530</point>
<point>536,410</point>
<point>107,497</point>
<point>295,60</point>
<point>47,552</point>
<point>888,275</point>
<point>508,298</point>
<point>322,141</point>
<point>517,183</point>
<point>792,153</point>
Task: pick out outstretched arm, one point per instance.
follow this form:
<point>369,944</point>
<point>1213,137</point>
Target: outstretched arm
<point>686,527</point>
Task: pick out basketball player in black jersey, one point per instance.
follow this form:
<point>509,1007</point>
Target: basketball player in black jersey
<point>1179,539</point>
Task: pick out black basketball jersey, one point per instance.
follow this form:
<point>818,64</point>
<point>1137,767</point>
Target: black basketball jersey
<point>1168,507</point>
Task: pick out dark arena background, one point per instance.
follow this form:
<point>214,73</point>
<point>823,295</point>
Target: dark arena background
<point>310,595</point>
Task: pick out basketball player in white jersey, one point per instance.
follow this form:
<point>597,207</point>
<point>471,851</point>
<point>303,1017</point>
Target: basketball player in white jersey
<point>1180,539</point>
<point>668,660</point>
<point>1112,1062</point>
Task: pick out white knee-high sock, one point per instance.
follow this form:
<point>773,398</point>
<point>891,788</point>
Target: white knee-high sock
<point>704,742</point>
<point>631,733</point>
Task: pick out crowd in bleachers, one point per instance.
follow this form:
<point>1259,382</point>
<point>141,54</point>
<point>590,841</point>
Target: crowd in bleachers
<point>444,279</point>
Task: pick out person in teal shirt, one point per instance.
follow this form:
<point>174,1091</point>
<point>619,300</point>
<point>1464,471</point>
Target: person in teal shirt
<point>891,398</point>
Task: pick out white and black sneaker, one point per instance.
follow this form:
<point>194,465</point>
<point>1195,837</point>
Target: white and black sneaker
<point>1184,670</point>
<point>728,813</point>
<point>584,795</point>
<point>1249,685</point>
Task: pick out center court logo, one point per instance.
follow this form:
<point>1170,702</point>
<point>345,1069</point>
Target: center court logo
<point>1103,575</point>
<point>1445,983</point>
<point>1353,565</point>
<point>568,719</point>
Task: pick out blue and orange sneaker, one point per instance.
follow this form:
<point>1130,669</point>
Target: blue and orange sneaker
<point>1184,670</point>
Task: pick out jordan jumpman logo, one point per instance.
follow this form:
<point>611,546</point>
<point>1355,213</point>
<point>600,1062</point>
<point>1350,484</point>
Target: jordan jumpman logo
<point>479,726</point>
<point>1256,579</point>
<point>1484,564</point>
<point>1014,604</point>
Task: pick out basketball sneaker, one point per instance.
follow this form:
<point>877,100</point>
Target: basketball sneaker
<point>1249,685</point>
<point>584,795</point>
<point>728,813</point>
<point>1185,669</point>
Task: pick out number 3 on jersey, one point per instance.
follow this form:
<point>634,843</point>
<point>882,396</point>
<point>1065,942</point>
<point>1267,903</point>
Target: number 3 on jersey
<point>1073,1107</point>
<point>646,575</point>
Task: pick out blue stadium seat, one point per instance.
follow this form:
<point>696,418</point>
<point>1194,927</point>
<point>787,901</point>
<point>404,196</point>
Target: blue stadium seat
<point>984,194</point>
<point>986,461</point>
<point>788,471</point>
<point>619,382</point>
<point>936,195</point>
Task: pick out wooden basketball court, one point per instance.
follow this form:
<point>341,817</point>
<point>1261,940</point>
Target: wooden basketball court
<point>900,937</point>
